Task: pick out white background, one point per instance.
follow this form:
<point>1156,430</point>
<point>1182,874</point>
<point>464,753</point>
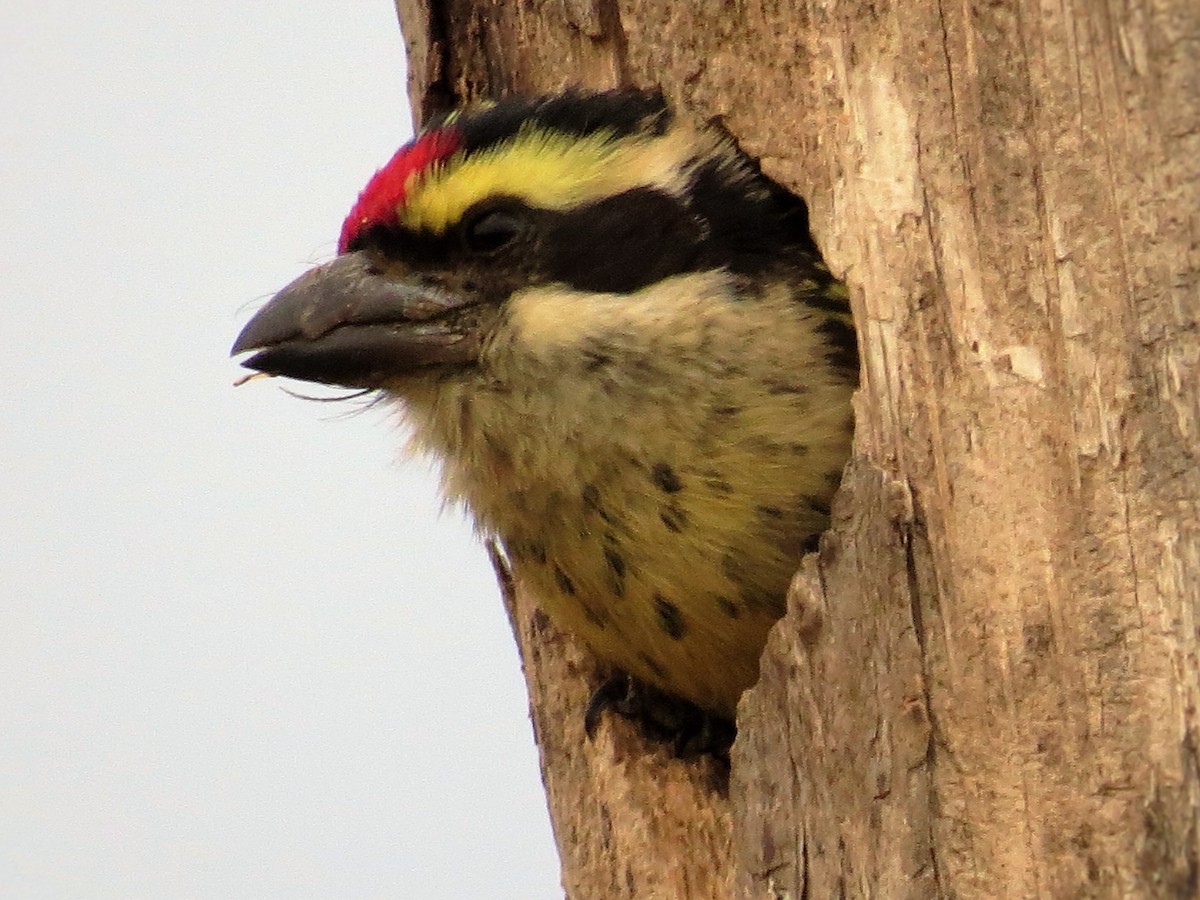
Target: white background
<point>241,652</point>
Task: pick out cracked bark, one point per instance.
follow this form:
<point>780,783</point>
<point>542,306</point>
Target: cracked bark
<point>987,682</point>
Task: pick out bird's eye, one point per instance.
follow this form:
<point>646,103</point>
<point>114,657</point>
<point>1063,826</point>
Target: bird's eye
<point>489,232</point>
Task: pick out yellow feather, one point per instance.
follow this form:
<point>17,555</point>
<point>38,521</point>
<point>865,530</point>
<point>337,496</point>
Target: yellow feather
<point>550,170</point>
<point>675,583</point>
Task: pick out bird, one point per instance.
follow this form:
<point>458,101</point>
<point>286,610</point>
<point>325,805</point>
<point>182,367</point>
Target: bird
<point>620,341</point>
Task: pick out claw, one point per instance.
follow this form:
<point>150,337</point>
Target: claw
<point>615,692</point>
<point>690,730</point>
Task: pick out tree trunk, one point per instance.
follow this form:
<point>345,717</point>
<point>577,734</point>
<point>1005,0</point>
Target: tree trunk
<point>987,682</point>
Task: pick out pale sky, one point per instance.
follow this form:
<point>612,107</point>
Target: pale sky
<point>242,655</point>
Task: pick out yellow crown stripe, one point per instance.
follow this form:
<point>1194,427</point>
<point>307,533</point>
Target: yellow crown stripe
<point>550,170</point>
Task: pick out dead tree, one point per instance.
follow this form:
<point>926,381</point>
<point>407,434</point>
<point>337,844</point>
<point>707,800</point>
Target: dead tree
<point>987,682</point>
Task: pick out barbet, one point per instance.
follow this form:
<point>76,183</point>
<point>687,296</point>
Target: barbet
<point>621,342</point>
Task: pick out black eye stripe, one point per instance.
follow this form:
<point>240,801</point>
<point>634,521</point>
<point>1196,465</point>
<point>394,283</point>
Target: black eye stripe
<point>621,243</point>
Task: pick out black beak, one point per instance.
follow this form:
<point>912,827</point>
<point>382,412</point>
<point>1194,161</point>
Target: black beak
<point>346,323</point>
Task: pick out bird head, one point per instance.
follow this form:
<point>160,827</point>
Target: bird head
<point>619,340</point>
<point>598,193</point>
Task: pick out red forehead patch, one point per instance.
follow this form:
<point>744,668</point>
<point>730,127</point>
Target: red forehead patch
<point>384,194</point>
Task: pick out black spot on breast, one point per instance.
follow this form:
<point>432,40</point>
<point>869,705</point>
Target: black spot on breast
<point>615,562</point>
<point>673,517</point>
<point>817,504</point>
<point>670,619</point>
<point>769,512</point>
<point>594,616</point>
<point>742,573</point>
<point>499,452</point>
<point>842,343</point>
<point>718,485</point>
<point>525,551</point>
<point>539,621</point>
<point>616,571</point>
<point>728,607</point>
<point>760,444</point>
<point>665,479</point>
<point>778,386</point>
<point>565,584</point>
<point>770,603</point>
<point>464,414</point>
<point>731,565</point>
<point>653,665</point>
<point>828,297</point>
<point>596,355</point>
<point>591,501</point>
<point>594,361</point>
<point>715,481</point>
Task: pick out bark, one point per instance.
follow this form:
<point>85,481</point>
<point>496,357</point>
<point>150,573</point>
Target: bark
<point>987,682</point>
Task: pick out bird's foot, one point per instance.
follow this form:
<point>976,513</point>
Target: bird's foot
<point>690,730</point>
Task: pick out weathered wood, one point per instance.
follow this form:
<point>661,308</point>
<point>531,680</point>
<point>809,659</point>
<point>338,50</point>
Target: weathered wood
<point>1013,189</point>
<point>988,681</point>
